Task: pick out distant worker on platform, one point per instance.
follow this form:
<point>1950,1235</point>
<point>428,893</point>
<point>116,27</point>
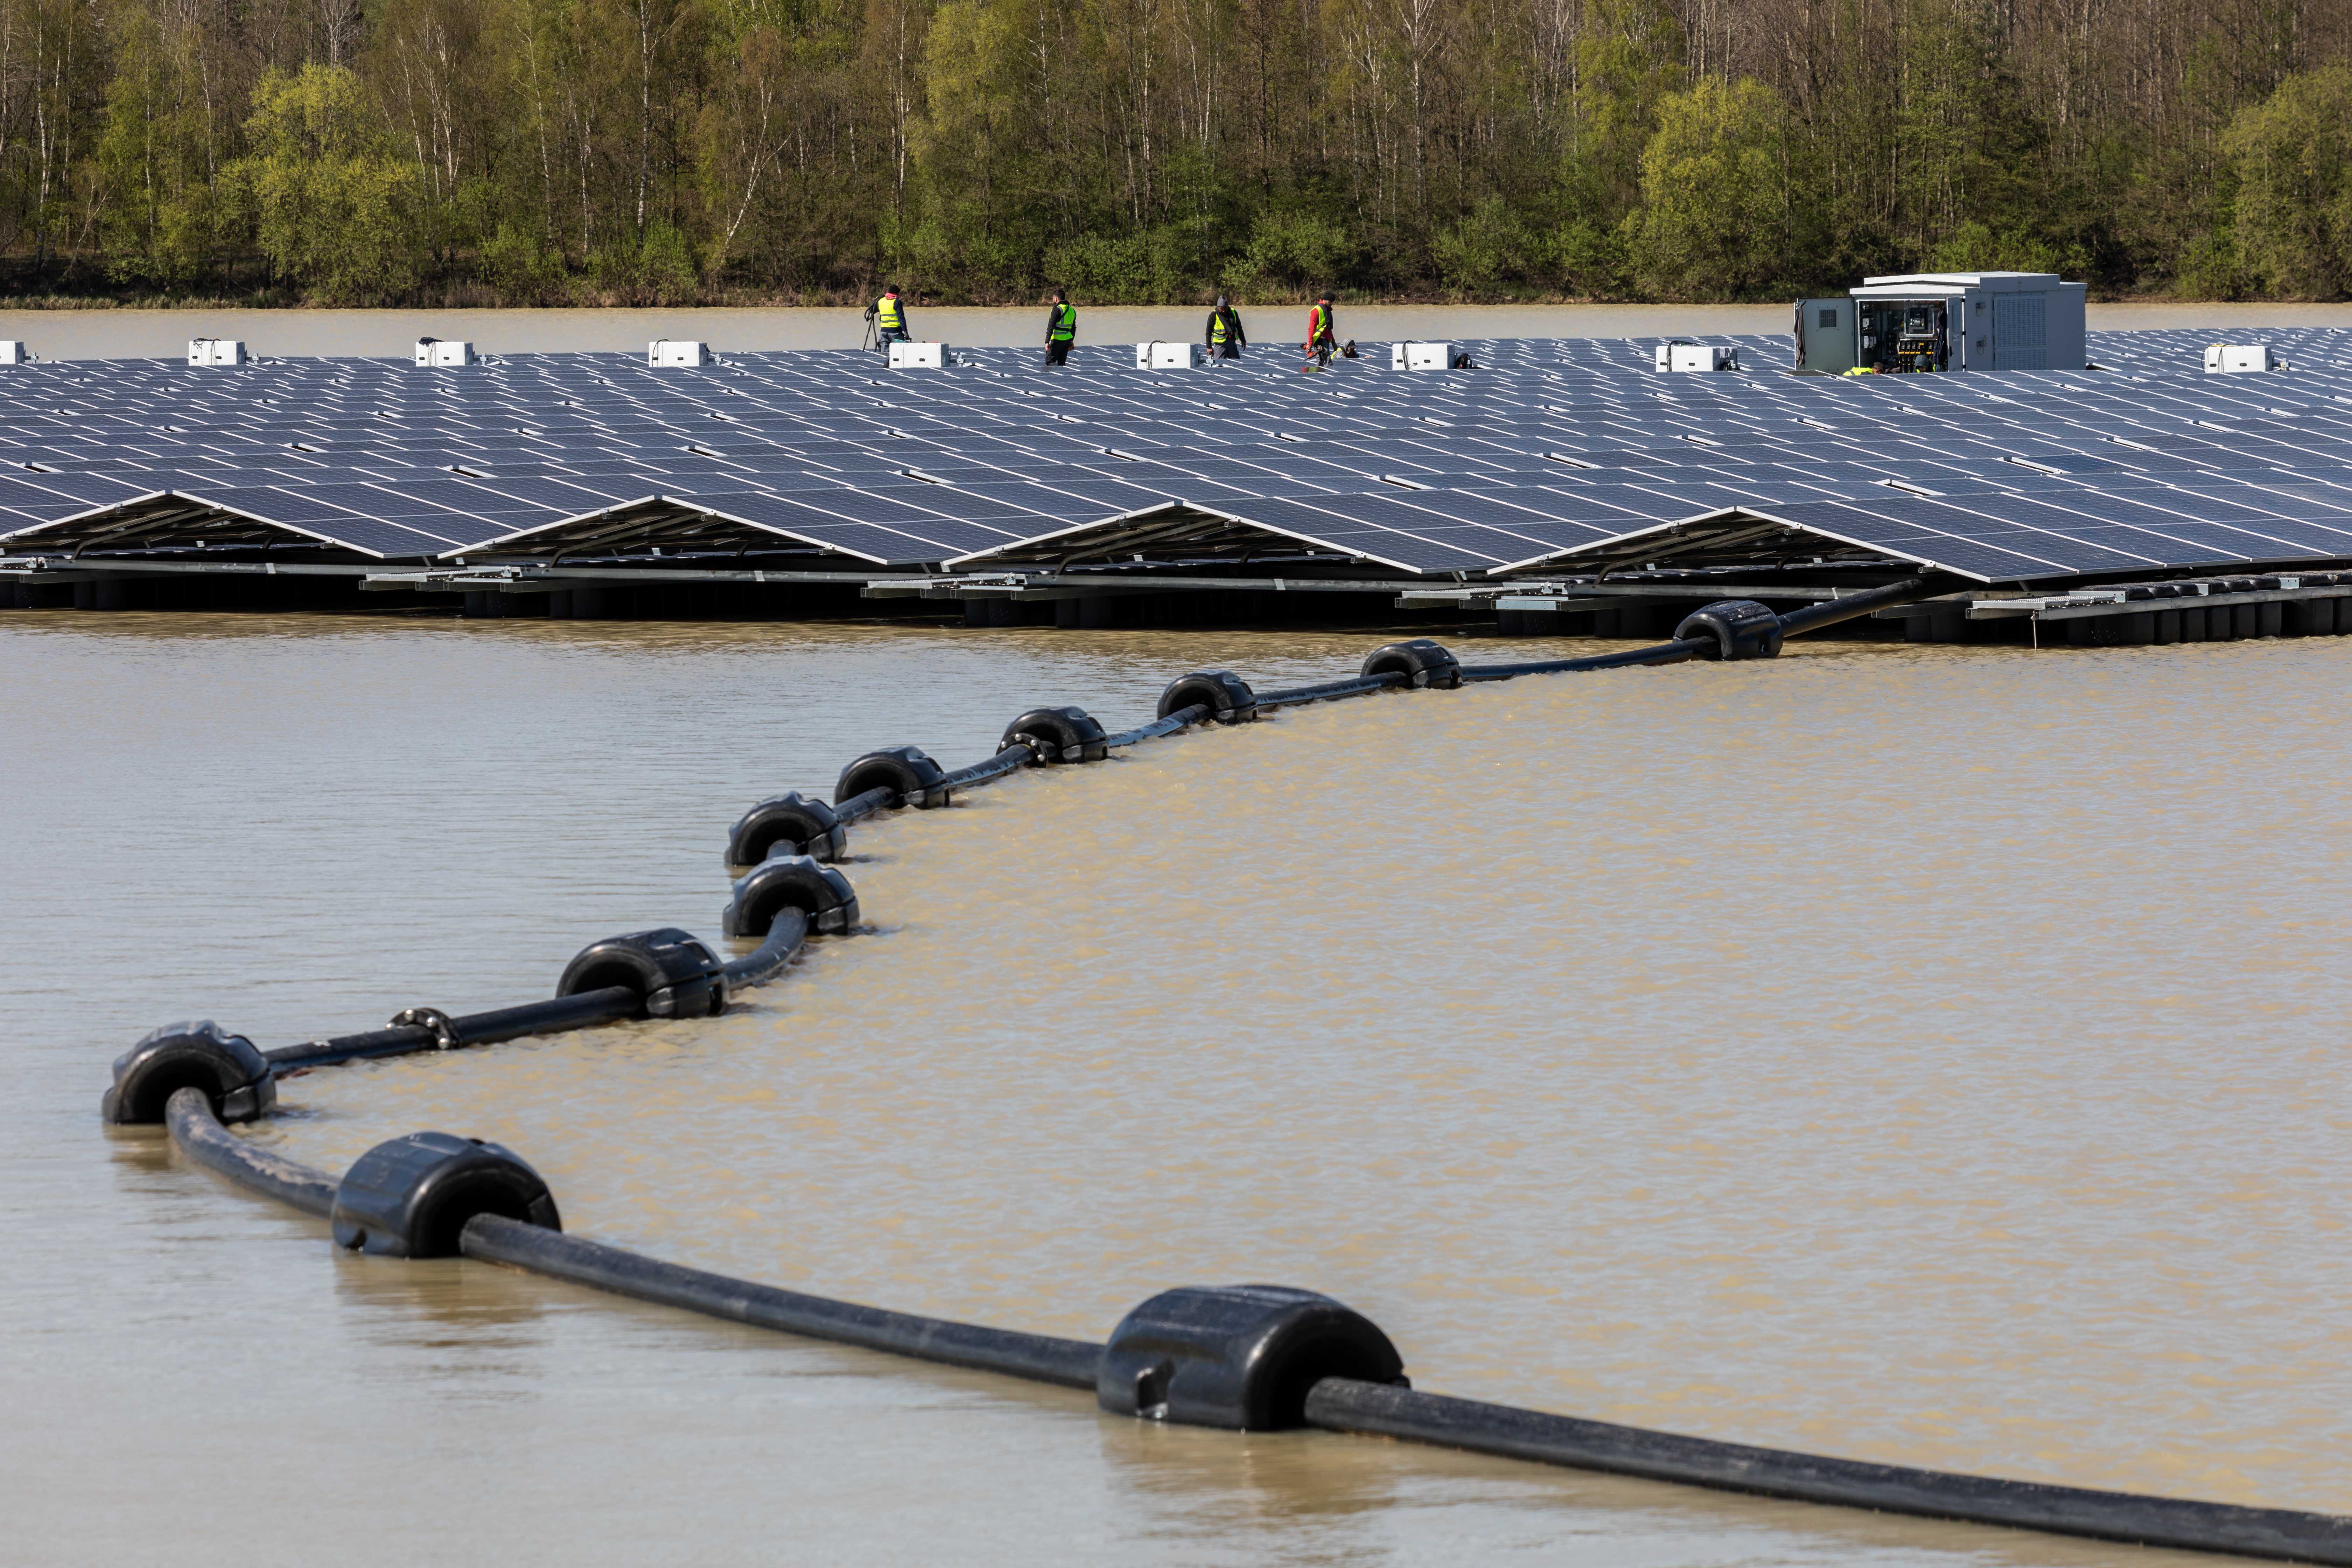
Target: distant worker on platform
<point>890,320</point>
<point>1061,328</point>
<point>1225,339</point>
<point>1321,341</point>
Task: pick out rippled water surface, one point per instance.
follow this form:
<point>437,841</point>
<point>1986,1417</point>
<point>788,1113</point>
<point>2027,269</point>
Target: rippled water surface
<point>1926,1054</point>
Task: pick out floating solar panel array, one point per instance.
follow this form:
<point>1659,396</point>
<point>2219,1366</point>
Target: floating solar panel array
<point>1553,457</point>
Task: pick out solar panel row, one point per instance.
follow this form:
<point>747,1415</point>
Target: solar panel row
<point>1552,450</point>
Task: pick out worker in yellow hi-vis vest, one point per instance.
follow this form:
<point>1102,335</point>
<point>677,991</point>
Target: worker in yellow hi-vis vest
<point>1321,340</point>
<point>1061,328</point>
<point>889,316</point>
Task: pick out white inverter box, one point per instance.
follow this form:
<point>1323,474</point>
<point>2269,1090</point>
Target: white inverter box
<point>667,352</point>
<point>13,352</point>
<point>1168,356</point>
<point>919,356</point>
<point>215,351</point>
<point>2234,359</point>
<point>1681,356</point>
<point>440,354</point>
<point>1421,356</point>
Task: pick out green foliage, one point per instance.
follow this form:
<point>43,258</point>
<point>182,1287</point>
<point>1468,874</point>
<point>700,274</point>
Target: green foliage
<point>333,204</point>
<point>1289,250</point>
<point>1715,192</point>
<point>2292,154</point>
<point>684,150</point>
<point>1483,248</point>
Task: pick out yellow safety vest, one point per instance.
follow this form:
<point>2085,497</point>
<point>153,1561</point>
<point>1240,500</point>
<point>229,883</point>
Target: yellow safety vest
<point>1318,326</point>
<point>885,311</point>
<point>1217,328</point>
<point>1066,324</point>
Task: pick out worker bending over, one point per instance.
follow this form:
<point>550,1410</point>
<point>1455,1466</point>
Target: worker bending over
<point>1225,339</point>
<point>890,320</point>
<point>1321,343</point>
<point>1061,328</point>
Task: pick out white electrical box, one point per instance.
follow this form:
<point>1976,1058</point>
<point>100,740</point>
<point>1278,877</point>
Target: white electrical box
<point>1168,356</point>
<point>215,351</point>
<point>919,356</point>
<point>1421,356</point>
<point>663,351</point>
<point>434,352</point>
<point>2231,359</point>
<point>1697,356</point>
<point>14,353</point>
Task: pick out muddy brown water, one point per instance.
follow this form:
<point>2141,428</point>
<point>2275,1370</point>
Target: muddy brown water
<point>1924,1054</point>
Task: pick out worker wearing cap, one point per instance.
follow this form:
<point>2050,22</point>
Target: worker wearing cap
<point>1061,328</point>
<point>890,319</point>
<point>1321,340</point>
<point>1225,339</point>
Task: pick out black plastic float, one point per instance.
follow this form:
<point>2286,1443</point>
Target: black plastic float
<point>410,1197</point>
<point>672,974</point>
<point>904,775</point>
<point>1424,664</point>
<point>791,822</point>
<point>1238,1356</point>
<point>820,893</point>
<point>1249,1357</point>
<point>235,1077</point>
<point>1058,735</point>
<point>1732,629</point>
<point>1226,695</point>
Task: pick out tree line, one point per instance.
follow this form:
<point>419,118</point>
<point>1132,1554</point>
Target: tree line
<point>484,152</point>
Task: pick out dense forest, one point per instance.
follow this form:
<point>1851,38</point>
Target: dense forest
<point>673,151</point>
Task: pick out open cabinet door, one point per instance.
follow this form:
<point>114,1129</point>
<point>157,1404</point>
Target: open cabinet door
<point>1825,335</point>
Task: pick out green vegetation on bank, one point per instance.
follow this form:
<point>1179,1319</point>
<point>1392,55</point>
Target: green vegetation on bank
<point>485,152</point>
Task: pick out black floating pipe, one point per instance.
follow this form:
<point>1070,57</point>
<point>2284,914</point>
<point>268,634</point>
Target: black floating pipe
<point>1852,606</point>
<point>1812,617</point>
<point>1335,1403</point>
<point>1182,719</point>
<point>1010,760</point>
<point>553,1017</point>
<point>201,1136</point>
<point>1331,690</point>
<point>1038,1357</point>
<point>1345,1404</point>
<point>858,807</point>
<point>786,935</point>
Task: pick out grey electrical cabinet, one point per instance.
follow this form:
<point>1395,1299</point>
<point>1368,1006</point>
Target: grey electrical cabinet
<point>1947,321</point>
<point>1825,335</point>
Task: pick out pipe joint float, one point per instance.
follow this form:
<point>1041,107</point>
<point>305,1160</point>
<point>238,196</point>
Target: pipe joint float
<point>673,974</point>
<point>411,1197</point>
<point>1238,1356</point>
<point>794,822</point>
<point>1732,629</point>
<point>238,1080</point>
<point>1058,735</point>
<point>790,882</point>
<point>1424,664</point>
<point>1226,696</point>
<point>907,771</point>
